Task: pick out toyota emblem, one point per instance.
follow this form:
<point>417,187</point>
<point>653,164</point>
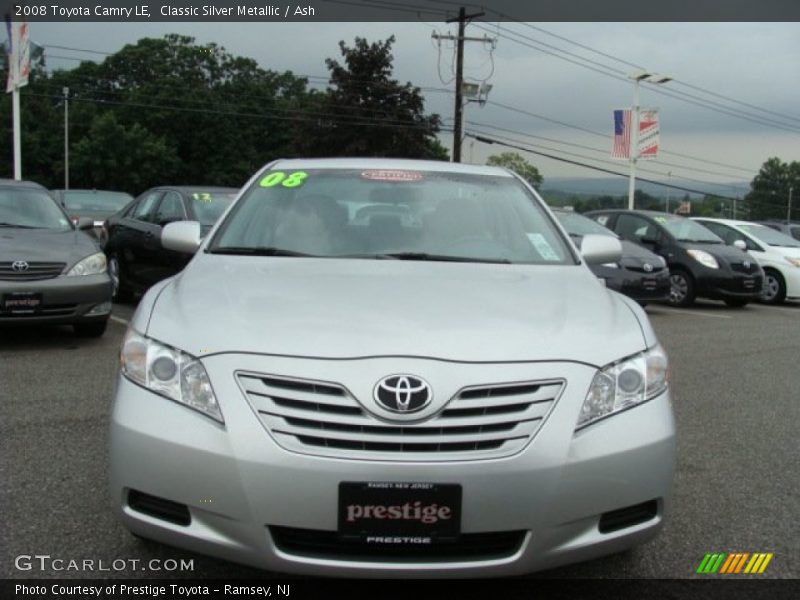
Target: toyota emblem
<point>647,267</point>
<point>746,264</point>
<point>402,393</point>
<point>19,265</point>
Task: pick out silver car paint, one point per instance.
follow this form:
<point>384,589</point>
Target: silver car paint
<point>349,321</point>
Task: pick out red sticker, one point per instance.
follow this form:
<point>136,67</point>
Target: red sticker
<point>391,175</point>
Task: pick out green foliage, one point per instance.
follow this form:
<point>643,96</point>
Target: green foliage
<point>769,190</point>
<point>365,112</point>
<point>516,163</point>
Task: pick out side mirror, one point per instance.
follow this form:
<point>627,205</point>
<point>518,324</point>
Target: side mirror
<point>85,223</point>
<point>599,249</point>
<point>741,245</point>
<point>181,236</point>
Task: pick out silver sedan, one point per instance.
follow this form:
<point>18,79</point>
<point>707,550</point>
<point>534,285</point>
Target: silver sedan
<point>391,368</point>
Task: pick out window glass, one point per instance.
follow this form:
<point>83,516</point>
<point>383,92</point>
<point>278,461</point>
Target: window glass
<point>634,228</point>
<point>145,208</point>
<point>30,209</point>
<point>354,213</point>
<point>209,206</point>
<point>770,236</point>
<point>170,209</point>
<point>95,201</point>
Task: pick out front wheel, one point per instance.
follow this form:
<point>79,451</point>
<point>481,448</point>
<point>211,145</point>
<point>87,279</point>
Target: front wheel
<point>681,291</point>
<point>119,292</point>
<point>774,288</point>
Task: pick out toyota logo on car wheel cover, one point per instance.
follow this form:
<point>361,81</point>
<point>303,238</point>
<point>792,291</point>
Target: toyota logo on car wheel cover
<point>19,265</point>
<point>403,393</point>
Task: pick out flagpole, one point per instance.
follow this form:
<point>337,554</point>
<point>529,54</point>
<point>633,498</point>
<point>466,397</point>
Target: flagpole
<point>17,136</point>
<point>634,149</point>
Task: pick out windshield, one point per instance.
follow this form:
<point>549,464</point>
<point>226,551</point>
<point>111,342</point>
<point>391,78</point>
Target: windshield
<point>94,201</point>
<point>209,206</point>
<point>686,230</point>
<point>770,236</point>
<point>374,213</point>
<point>579,225</point>
<point>31,209</point>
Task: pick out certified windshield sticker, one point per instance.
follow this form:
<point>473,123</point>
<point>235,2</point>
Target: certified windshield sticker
<point>287,180</point>
<point>202,197</point>
<point>542,247</point>
<point>661,219</point>
<point>391,175</point>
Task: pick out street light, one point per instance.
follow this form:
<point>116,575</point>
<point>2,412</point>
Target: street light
<point>474,92</point>
<point>638,77</point>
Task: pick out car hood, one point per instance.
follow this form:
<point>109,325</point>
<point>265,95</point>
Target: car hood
<point>349,308</point>
<point>45,245</point>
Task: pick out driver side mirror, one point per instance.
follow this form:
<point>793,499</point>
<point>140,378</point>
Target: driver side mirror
<point>600,249</point>
<point>181,236</point>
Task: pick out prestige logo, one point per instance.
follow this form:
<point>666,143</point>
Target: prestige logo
<point>410,511</point>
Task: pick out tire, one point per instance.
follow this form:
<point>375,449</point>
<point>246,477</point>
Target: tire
<point>774,287</point>
<point>119,291</point>
<point>91,329</point>
<point>736,302</point>
<point>682,291</point>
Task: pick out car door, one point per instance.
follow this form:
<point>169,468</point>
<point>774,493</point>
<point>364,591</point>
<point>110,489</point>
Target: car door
<point>642,231</point>
<point>163,262</point>
<point>136,247</point>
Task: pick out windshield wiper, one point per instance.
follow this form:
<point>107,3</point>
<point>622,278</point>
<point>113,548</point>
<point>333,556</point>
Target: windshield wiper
<point>701,241</point>
<point>18,226</point>
<point>443,257</point>
<point>256,251</point>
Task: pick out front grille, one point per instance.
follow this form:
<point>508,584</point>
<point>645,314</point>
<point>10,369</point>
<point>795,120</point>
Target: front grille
<point>751,268</point>
<point>34,272</point>
<point>323,418</point>
<point>328,544</point>
<point>47,310</point>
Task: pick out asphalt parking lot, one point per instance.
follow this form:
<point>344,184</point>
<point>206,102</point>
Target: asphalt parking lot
<point>736,391</point>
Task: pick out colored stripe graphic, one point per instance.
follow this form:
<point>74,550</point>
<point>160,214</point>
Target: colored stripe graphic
<point>734,563</point>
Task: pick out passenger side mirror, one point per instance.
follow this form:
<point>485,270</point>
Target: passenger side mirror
<point>181,236</point>
<point>740,244</point>
<point>599,249</point>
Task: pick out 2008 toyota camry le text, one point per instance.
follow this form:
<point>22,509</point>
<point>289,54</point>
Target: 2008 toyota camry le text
<point>377,367</point>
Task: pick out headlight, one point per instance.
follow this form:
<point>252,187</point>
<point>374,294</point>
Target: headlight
<point>625,384</point>
<point>168,372</point>
<point>91,265</point>
<point>792,261</point>
<point>704,258</point>
<point>610,265</point>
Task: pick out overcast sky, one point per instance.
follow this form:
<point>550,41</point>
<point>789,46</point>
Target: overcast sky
<point>752,63</point>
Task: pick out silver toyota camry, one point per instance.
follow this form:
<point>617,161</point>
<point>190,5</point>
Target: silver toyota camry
<point>391,368</point>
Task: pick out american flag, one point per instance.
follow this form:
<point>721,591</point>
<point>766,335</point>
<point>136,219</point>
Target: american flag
<point>622,134</point>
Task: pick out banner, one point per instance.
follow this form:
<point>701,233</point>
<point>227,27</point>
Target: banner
<point>19,55</point>
<point>648,138</point>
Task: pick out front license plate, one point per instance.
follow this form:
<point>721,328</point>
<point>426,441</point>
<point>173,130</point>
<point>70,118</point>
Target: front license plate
<point>399,513</point>
<point>21,302</point>
<point>649,284</point>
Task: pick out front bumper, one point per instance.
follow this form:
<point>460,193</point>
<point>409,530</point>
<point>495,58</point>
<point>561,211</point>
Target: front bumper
<point>723,286</point>
<point>649,287</point>
<point>64,299</point>
<point>237,482</point>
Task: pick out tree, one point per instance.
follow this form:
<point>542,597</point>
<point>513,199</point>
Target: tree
<point>769,190</point>
<point>364,112</point>
<point>515,162</point>
<point>119,158</point>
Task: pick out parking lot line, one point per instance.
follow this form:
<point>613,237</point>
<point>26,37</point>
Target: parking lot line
<point>693,312</point>
<point>119,320</point>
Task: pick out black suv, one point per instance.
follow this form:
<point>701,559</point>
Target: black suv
<point>700,263</point>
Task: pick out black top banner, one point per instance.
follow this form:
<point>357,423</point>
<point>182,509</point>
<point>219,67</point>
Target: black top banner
<point>400,10</point>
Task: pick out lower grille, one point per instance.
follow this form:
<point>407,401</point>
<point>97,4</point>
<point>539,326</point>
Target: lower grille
<point>49,310</point>
<point>628,517</point>
<point>34,272</point>
<point>313,543</point>
<point>160,508</point>
<point>323,418</point>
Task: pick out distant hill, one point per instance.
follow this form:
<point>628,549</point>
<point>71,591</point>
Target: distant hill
<point>618,186</point>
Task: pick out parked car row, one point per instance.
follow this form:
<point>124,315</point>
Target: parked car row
<point>53,267</point>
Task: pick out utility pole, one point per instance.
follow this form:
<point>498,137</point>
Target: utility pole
<point>463,19</point>
<point>789,207</point>
<point>66,138</point>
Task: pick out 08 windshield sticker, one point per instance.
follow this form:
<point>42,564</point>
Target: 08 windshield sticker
<point>287,180</point>
<point>391,175</point>
<point>202,197</point>
<point>661,219</point>
<point>542,247</point>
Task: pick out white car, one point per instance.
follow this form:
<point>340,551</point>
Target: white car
<point>777,253</point>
